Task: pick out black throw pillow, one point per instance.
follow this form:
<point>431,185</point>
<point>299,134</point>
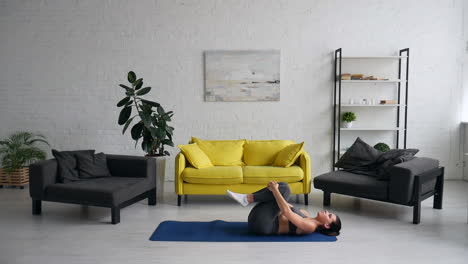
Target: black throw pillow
<point>92,166</point>
<point>392,158</point>
<point>359,157</point>
<point>67,165</point>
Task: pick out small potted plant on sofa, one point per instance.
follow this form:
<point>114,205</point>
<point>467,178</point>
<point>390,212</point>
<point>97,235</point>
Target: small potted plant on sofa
<point>348,118</point>
<point>17,152</point>
<point>150,124</point>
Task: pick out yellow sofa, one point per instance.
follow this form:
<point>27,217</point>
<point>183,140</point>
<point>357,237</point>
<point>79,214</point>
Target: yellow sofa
<point>250,173</point>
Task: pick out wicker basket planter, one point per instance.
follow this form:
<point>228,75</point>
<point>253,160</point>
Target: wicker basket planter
<point>19,177</point>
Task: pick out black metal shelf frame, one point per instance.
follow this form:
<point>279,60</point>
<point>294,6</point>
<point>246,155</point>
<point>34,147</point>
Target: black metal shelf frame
<point>404,55</point>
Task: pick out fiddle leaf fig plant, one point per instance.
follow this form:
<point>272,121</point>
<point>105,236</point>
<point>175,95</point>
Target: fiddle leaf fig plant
<point>150,121</point>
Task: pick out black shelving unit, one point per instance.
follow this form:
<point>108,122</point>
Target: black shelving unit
<point>403,58</point>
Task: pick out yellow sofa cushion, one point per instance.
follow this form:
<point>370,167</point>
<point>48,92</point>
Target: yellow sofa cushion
<point>288,155</point>
<point>222,152</point>
<point>213,175</point>
<point>263,152</point>
<point>196,156</point>
<point>265,174</point>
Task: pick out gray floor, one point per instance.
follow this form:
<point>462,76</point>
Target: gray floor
<point>373,232</point>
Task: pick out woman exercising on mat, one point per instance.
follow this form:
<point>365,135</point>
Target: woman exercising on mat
<point>274,215</point>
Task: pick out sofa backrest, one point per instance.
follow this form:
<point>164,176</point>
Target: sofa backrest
<point>263,152</point>
<point>242,151</point>
<point>222,152</point>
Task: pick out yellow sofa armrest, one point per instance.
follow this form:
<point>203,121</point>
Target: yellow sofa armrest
<point>304,163</point>
<point>180,164</point>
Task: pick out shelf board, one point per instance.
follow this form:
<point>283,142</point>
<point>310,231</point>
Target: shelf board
<point>374,57</point>
<point>373,81</point>
<point>371,129</point>
<point>371,105</point>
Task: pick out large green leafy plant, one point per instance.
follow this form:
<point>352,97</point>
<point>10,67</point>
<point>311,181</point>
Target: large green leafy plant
<point>20,149</point>
<point>150,118</point>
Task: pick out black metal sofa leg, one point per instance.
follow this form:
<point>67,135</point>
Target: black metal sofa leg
<point>152,197</point>
<point>417,213</point>
<point>326,198</point>
<point>306,199</point>
<point>36,207</point>
<point>179,198</point>
<point>115,211</point>
<point>439,191</point>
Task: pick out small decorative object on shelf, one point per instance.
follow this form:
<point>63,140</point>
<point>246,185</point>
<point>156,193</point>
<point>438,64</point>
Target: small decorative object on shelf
<point>19,151</point>
<point>345,76</point>
<point>388,102</point>
<point>382,147</point>
<point>361,77</point>
<point>348,118</point>
<point>357,76</point>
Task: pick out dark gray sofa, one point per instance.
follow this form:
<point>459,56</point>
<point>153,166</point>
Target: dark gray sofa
<point>133,179</point>
<point>409,184</point>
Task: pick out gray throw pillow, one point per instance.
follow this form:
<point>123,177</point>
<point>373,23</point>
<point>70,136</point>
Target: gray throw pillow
<point>360,156</point>
<point>67,164</point>
<point>392,158</point>
<point>92,166</point>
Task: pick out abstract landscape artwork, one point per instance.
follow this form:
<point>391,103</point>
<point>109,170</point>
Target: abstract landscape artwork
<point>242,75</point>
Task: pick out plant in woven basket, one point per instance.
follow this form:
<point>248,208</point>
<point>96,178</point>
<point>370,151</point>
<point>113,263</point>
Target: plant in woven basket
<point>19,150</point>
<point>382,147</point>
<point>152,125</point>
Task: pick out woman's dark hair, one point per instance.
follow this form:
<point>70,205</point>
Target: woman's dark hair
<point>334,229</point>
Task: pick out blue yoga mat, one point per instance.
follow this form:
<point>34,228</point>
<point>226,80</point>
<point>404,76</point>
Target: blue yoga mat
<point>221,231</point>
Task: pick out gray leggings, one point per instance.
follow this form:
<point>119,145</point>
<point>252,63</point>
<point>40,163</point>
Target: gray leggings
<point>263,219</point>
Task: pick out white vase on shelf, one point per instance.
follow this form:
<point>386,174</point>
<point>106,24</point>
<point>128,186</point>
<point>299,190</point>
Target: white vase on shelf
<point>348,124</point>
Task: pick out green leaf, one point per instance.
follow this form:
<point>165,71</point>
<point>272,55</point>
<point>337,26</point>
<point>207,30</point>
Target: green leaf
<point>125,87</point>
<point>154,132</point>
<point>125,115</point>
<point>167,142</point>
<point>123,101</point>
<point>151,103</point>
<point>138,83</point>
<point>166,118</point>
<point>144,91</point>
<point>169,136</point>
<point>146,118</point>
<point>129,93</point>
<point>136,130</point>
<point>161,133</point>
<point>146,146</point>
<point>129,103</point>
<point>169,130</point>
<point>127,124</point>
<point>131,77</point>
<point>161,110</point>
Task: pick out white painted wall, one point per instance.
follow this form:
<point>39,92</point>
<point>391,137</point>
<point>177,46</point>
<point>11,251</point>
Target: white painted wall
<point>61,63</point>
<point>464,117</point>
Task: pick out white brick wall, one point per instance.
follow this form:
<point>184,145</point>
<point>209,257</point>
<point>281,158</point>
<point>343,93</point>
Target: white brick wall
<point>61,62</point>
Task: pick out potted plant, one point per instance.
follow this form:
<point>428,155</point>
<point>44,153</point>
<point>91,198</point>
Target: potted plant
<point>348,118</point>
<point>150,124</point>
<point>17,152</point>
<point>382,147</point>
